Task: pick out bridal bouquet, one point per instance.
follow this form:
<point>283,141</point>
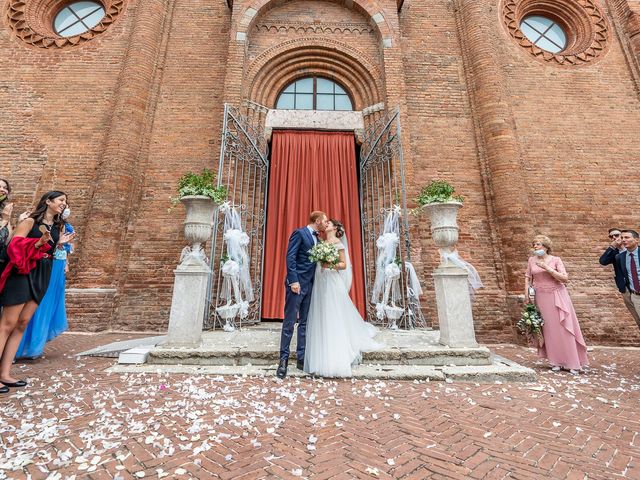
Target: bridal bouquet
<point>324,252</point>
<point>530,324</point>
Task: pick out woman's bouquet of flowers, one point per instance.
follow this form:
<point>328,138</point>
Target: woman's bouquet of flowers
<point>530,324</point>
<point>324,252</point>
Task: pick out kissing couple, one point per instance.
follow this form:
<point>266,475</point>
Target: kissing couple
<point>331,333</point>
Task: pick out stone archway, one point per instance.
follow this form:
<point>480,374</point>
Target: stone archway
<point>348,41</point>
<point>368,8</point>
<point>278,66</point>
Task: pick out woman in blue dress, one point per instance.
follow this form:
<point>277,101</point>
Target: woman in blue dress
<point>50,319</point>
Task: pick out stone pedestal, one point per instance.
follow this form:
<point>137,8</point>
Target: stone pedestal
<point>454,307</point>
<point>188,304</point>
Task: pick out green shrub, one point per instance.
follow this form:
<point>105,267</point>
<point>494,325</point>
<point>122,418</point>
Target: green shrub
<point>203,184</point>
<point>438,191</point>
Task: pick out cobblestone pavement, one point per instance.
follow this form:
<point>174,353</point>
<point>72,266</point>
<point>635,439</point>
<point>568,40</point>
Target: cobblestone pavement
<point>77,421</point>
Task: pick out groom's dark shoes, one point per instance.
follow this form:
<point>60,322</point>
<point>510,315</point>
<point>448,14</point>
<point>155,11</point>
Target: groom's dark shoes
<point>281,372</point>
<point>300,364</point>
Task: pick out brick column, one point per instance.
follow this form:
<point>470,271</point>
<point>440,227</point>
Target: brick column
<point>497,139</point>
<point>236,54</point>
<point>120,170</point>
<point>395,86</point>
<point>626,21</point>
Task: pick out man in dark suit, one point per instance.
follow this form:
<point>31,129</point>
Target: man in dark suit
<point>299,284</point>
<point>627,270</point>
<point>609,258</point>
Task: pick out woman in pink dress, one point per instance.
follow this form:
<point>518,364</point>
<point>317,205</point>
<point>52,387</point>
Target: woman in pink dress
<point>564,345</point>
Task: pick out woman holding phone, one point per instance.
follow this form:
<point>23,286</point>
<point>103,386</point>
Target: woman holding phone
<point>25,279</point>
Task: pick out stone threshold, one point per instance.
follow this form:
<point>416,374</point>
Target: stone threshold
<point>259,345</point>
<point>499,370</point>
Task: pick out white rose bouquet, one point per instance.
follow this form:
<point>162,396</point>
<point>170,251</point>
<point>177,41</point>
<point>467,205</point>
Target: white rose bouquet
<point>324,252</point>
<point>530,324</point>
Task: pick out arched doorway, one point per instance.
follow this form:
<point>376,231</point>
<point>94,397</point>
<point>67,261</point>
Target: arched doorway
<point>246,168</point>
<point>310,169</point>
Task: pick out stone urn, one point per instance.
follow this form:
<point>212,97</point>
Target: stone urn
<point>453,299</point>
<point>198,224</point>
<point>444,224</point>
<point>191,283</point>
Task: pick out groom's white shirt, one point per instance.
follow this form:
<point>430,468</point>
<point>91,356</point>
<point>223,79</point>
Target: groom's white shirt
<point>312,231</point>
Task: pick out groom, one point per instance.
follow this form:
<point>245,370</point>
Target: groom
<point>298,285</point>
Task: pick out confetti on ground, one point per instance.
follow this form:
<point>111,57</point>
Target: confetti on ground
<point>75,421</point>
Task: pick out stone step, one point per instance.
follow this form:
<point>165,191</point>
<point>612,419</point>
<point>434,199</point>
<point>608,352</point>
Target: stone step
<point>499,370</point>
<point>390,356</point>
<point>259,345</point>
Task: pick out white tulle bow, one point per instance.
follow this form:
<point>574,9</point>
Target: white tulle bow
<point>236,283</point>
<point>386,288</point>
<point>415,290</point>
<point>473,278</point>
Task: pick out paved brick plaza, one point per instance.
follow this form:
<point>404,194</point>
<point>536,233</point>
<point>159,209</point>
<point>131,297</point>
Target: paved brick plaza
<point>76,421</point>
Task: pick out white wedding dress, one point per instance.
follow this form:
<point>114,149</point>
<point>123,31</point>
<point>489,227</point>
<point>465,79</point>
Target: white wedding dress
<point>336,334</point>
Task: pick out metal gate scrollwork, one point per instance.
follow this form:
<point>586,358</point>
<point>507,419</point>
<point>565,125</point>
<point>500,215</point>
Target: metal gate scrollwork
<point>244,169</point>
<point>382,192</point>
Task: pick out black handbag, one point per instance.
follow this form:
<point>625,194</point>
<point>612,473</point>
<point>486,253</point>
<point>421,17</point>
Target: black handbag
<point>4,256</point>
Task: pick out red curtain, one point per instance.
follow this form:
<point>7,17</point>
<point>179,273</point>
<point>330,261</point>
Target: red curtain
<point>309,171</point>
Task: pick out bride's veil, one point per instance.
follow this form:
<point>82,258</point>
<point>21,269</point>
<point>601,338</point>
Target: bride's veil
<point>347,274</point>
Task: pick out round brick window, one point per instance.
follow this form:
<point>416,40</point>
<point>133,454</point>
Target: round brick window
<point>544,33</point>
<point>77,18</point>
<point>566,32</point>
<point>61,23</point>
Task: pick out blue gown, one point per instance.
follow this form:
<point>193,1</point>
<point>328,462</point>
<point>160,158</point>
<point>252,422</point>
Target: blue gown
<point>50,318</point>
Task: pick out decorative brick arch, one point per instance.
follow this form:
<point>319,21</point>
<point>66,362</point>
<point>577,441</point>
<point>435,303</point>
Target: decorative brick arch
<point>371,9</point>
<point>272,70</point>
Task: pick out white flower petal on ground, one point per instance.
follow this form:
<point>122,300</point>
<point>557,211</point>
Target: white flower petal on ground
<point>373,471</point>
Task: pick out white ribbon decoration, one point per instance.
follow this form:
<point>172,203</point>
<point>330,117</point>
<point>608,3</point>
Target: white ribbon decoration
<point>473,278</point>
<point>415,289</point>
<point>236,281</point>
<point>386,289</point>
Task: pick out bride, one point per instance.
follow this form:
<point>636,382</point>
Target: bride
<point>336,333</point>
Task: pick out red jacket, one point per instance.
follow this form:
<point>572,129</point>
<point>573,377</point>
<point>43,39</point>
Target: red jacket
<point>23,257</point>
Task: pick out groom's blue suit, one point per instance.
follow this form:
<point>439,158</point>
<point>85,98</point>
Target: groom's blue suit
<point>296,306</point>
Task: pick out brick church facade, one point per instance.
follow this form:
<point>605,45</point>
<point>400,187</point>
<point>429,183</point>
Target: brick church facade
<point>536,141</point>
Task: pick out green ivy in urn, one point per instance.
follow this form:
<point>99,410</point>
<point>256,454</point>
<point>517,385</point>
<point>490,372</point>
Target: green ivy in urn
<point>438,191</point>
<point>441,202</point>
<point>203,184</point>
<point>200,197</point>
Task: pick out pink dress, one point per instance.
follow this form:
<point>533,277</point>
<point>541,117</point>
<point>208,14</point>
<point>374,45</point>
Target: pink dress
<point>564,345</point>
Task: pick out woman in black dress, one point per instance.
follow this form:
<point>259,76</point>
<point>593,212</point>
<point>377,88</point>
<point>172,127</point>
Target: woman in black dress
<point>26,277</point>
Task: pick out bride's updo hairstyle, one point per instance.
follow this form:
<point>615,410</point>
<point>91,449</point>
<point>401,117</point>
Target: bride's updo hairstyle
<point>339,227</point>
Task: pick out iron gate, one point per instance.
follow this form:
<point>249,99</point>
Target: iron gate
<point>244,169</point>
<point>382,190</point>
